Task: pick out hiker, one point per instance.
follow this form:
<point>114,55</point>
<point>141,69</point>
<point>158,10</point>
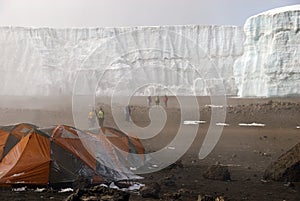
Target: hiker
<point>100,117</point>
<point>149,101</point>
<point>157,100</point>
<point>92,118</point>
<point>127,113</point>
<point>165,99</point>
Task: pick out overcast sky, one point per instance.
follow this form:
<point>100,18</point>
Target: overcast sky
<point>111,13</point>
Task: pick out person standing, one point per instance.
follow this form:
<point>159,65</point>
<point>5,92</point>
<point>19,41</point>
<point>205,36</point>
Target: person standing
<point>101,117</point>
<point>92,118</point>
<point>166,100</point>
<point>157,100</point>
<point>149,101</point>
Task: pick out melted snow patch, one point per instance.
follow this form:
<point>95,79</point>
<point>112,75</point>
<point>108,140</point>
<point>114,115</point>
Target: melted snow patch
<point>39,190</point>
<point>252,124</point>
<point>222,124</point>
<point>214,106</point>
<point>135,186</point>
<point>193,122</point>
<point>19,189</point>
<point>66,190</point>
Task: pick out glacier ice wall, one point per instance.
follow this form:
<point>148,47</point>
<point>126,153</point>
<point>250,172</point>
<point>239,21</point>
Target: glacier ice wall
<point>260,60</point>
<point>270,65</point>
<point>45,61</point>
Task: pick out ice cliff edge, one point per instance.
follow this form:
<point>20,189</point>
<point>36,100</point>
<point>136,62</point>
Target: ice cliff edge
<point>45,61</point>
<point>263,60</point>
<point>270,65</point>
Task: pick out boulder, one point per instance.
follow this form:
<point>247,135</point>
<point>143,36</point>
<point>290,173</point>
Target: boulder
<point>286,168</point>
<point>217,172</point>
<point>151,191</point>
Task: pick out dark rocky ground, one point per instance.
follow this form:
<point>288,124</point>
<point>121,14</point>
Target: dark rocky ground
<point>246,152</point>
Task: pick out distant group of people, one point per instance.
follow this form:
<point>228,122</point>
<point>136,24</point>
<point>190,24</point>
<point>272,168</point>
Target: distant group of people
<point>92,117</point>
<point>157,100</point>
<point>98,116</point>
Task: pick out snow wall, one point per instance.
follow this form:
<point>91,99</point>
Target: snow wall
<point>261,60</point>
<point>270,65</point>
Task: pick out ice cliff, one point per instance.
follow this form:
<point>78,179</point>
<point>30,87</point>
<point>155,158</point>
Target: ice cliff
<point>261,60</point>
<point>270,65</point>
<point>45,61</point>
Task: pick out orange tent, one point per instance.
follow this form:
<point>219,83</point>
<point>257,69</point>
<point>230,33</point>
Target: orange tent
<point>3,140</point>
<point>27,162</point>
<point>128,143</point>
<point>129,147</point>
<point>11,135</point>
<point>56,155</point>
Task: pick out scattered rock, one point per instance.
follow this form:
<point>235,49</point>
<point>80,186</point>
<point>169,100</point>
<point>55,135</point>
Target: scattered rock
<point>286,168</point>
<point>247,179</point>
<point>171,196</point>
<point>169,181</point>
<point>217,163</point>
<point>184,191</point>
<point>123,184</point>
<point>220,198</point>
<point>205,198</point>
<point>177,164</point>
<point>217,172</point>
<point>210,198</point>
<point>81,183</point>
<point>151,191</point>
<point>289,184</point>
<point>181,194</point>
<point>98,193</point>
<point>266,154</point>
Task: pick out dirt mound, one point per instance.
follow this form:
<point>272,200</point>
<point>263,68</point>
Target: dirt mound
<point>286,168</point>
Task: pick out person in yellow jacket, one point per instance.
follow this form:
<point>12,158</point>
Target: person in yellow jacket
<point>92,118</point>
<point>100,116</point>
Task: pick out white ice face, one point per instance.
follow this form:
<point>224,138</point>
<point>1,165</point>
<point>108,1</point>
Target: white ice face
<point>45,61</point>
<point>261,60</point>
<point>270,65</point>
